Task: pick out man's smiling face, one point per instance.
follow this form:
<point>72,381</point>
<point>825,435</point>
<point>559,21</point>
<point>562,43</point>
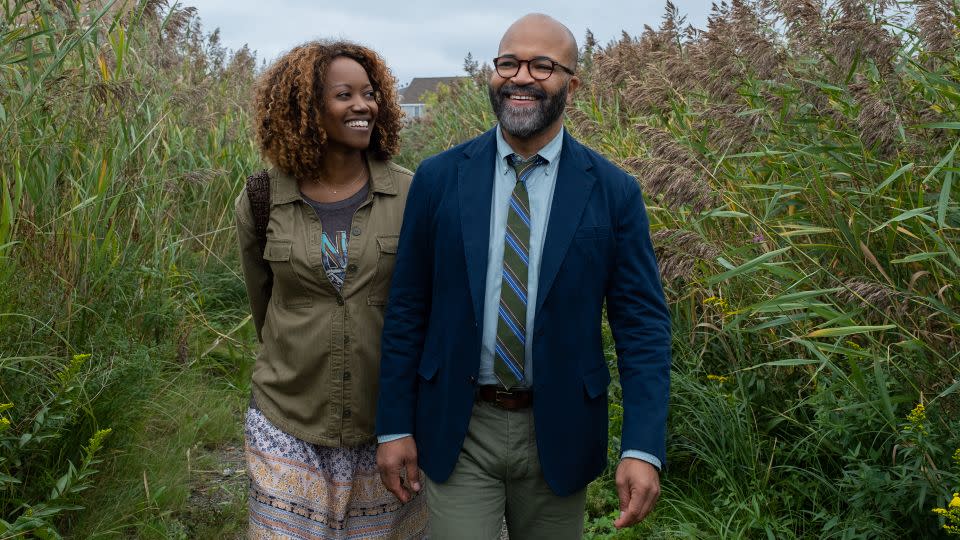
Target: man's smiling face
<point>524,106</point>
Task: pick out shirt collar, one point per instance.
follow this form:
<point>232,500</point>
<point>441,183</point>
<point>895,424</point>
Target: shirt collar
<point>550,152</point>
<point>382,180</point>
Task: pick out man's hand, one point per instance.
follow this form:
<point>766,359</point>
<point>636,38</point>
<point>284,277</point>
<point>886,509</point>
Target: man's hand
<point>638,486</point>
<point>392,458</point>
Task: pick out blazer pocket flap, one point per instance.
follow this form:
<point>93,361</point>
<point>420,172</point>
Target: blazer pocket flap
<point>593,232</point>
<point>277,250</point>
<point>428,369</point>
<point>388,244</point>
<point>595,382</point>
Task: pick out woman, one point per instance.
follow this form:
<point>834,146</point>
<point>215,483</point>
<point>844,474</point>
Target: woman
<point>327,120</point>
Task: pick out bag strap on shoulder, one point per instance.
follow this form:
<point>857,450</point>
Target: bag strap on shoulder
<point>258,192</point>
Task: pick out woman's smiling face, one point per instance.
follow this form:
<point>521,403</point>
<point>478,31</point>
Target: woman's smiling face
<point>350,105</point>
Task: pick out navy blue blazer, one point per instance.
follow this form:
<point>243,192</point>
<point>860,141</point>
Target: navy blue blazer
<point>597,248</point>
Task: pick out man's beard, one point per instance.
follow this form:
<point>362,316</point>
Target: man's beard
<point>528,121</point>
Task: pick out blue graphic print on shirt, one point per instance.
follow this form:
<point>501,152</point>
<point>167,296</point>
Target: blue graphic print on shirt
<point>334,248</point>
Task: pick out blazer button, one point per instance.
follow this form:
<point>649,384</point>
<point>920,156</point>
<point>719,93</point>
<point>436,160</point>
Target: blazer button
<point>351,268</point>
<point>356,231</point>
<point>339,300</point>
<point>473,379</point>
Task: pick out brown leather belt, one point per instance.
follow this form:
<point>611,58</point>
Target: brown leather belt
<point>510,400</point>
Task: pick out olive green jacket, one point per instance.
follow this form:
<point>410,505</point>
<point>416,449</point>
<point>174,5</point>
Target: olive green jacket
<point>317,370</point>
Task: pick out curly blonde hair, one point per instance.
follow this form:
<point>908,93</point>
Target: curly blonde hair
<point>288,105</point>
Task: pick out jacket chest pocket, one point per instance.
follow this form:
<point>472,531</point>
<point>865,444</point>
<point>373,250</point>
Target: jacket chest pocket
<point>288,289</point>
<point>386,257</point>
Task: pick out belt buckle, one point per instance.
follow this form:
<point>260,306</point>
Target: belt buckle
<point>500,395</point>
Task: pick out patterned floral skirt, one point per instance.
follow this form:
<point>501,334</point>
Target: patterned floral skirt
<point>306,491</point>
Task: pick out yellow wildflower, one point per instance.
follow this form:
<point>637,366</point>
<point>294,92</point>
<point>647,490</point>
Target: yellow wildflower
<point>956,457</point>
<point>4,424</point>
<point>955,502</point>
<point>720,379</point>
<point>918,419</point>
<point>718,302</point>
<point>6,406</point>
<point>80,357</point>
<point>853,345</point>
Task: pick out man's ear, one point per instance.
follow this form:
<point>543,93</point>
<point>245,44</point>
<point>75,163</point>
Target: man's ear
<point>572,87</point>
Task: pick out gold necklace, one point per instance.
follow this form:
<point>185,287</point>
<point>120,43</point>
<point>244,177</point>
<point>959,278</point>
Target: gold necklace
<point>363,171</point>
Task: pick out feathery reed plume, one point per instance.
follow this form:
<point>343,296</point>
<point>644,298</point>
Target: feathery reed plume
<point>730,126</point>
<point>879,125</point>
<point>857,34</point>
<point>580,121</point>
<point>878,295</point>
<point>678,252</point>
<point>754,42</point>
<point>804,20</point>
<point>673,183</point>
<point>936,25</point>
<point>152,9</point>
<point>660,144</point>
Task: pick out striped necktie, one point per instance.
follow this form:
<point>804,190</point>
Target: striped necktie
<point>509,354</point>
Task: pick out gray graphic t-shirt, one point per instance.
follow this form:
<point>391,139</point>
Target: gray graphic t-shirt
<point>335,219</point>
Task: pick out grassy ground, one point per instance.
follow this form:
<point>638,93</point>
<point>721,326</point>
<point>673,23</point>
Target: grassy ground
<point>179,470</point>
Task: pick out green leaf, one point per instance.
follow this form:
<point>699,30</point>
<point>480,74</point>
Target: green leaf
<point>941,125</point>
<point>916,212</point>
<point>848,330</point>
<point>917,257</point>
<point>944,199</point>
<point>787,362</point>
<point>747,267</point>
<point>726,214</point>
<point>896,174</point>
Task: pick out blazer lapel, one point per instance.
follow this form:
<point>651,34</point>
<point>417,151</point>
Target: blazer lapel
<point>475,189</point>
<point>574,183</point>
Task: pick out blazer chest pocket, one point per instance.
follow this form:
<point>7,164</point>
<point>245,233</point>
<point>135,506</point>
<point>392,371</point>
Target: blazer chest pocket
<point>288,290</point>
<point>592,232</point>
<point>386,258</point>
<point>592,245</point>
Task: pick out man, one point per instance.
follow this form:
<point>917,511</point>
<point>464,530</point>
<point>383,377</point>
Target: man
<point>493,377</point>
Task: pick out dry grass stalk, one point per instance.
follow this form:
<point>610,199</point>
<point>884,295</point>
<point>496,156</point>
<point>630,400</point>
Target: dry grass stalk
<point>879,125</point>
<point>880,296</point>
<point>678,251</point>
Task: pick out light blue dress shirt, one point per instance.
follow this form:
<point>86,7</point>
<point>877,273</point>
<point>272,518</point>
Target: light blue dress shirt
<point>540,187</point>
<point>540,184</point>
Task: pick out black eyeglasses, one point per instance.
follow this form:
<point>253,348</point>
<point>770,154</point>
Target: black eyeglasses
<point>540,68</point>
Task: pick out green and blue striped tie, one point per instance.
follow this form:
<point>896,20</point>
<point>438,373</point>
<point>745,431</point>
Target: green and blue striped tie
<point>509,354</point>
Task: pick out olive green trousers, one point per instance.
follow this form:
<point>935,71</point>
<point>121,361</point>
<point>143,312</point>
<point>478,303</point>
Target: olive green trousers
<point>498,475</point>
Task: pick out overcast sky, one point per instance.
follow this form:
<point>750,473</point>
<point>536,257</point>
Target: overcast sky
<point>421,38</point>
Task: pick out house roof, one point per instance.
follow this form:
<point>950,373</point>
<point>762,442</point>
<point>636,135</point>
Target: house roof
<point>414,92</point>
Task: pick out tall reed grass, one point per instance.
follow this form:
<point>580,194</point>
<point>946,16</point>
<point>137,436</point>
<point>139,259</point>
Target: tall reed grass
<point>124,140</point>
<point>799,165</point>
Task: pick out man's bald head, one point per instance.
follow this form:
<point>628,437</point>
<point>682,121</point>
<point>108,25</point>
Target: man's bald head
<point>547,29</point>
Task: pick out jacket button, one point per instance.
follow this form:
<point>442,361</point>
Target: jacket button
<point>473,379</point>
<point>346,413</point>
<point>339,300</point>
<point>355,231</point>
<point>346,340</point>
<point>346,375</point>
<point>352,268</point>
